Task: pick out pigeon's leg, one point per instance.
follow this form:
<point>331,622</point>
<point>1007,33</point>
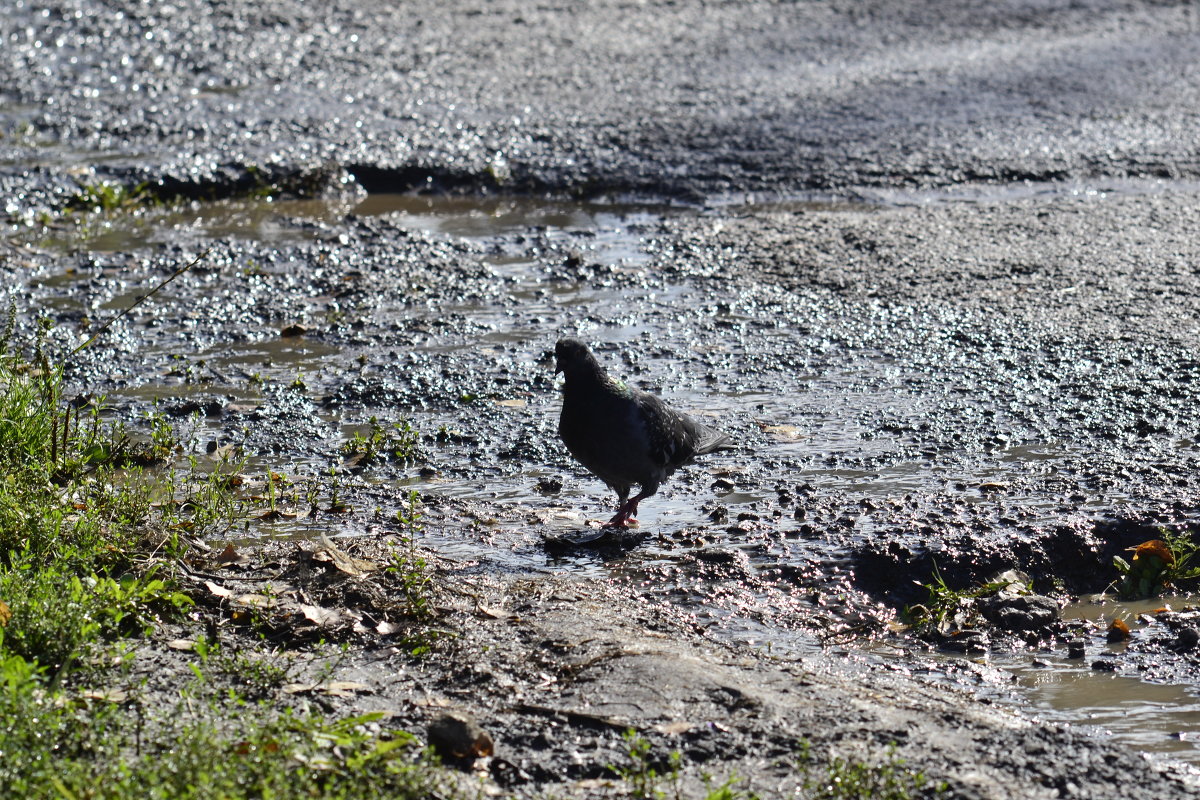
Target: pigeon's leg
<point>625,513</point>
<point>622,508</point>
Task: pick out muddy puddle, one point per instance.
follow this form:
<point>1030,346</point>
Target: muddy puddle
<point>724,542</point>
<point>1152,716</point>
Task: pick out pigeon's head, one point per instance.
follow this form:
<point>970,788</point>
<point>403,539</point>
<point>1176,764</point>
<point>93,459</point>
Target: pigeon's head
<point>572,357</point>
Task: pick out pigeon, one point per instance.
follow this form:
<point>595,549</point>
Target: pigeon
<point>623,435</point>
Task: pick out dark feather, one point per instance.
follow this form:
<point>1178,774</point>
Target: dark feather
<point>623,435</point>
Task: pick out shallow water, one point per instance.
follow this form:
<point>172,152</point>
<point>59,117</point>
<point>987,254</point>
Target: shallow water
<point>814,428</point>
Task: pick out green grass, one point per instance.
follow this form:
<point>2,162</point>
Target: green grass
<point>83,748</point>
<point>89,540</point>
<point>107,196</point>
<point>947,610</point>
<point>847,779</point>
<point>400,442</point>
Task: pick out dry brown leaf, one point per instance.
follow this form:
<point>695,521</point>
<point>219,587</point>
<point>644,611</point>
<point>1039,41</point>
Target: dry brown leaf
<point>5,614</point>
<point>513,403</point>
<point>182,644</point>
<point>108,695</point>
<point>355,567</point>
<point>1154,547</point>
<point>332,688</point>
<point>230,555</point>
<point>433,702</point>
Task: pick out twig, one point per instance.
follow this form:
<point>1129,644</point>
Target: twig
<point>140,300</point>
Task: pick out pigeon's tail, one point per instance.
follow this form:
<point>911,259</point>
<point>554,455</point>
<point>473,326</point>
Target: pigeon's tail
<point>709,440</point>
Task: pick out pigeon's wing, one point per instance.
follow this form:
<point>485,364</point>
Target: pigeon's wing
<point>674,437</point>
<point>709,439</point>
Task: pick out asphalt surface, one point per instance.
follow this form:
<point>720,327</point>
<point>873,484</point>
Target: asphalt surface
<point>674,99</point>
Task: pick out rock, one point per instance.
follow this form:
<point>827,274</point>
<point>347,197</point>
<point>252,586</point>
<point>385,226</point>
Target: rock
<point>970,641</point>
<point>551,484</point>
<point>456,736</point>
<point>1075,648</point>
<point>1186,640</point>
<point>1030,612</point>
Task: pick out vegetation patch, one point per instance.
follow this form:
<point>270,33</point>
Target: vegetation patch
<point>96,563</point>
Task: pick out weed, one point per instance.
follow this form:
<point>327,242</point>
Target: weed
<point>335,492</point>
<point>401,442</point>
<point>1157,565</point>
<point>75,515</point>
<point>256,677</point>
<point>844,779</point>
<point>72,748</point>
<point>407,565</point>
<point>643,776</point>
<point>105,196</point>
<point>947,610</point>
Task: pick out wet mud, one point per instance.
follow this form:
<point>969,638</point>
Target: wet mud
<point>942,352</point>
<point>879,444</point>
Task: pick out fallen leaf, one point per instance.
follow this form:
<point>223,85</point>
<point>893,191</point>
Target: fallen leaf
<point>433,702</point>
<point>494,613</point>
<point>324,617</point>
<point>385,628</point>
<point>514,403</point>
<point>332,688</point>
<point>182,644</point>
<point>1118,631</point>
<point>1154,547</point>
<point>230,555</point>
<point>355,567</point>
<point>219,591</point>
<point>252,600</point>
<point>5,614</point>
<point>108,695</point>
<point>675,728</point>
<point>298,688</point>
<point>789,432</point>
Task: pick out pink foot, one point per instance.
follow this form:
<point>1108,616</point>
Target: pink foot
<point>624,517</point>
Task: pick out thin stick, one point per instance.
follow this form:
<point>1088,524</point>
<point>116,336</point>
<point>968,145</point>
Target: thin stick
<point>140,300</point>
